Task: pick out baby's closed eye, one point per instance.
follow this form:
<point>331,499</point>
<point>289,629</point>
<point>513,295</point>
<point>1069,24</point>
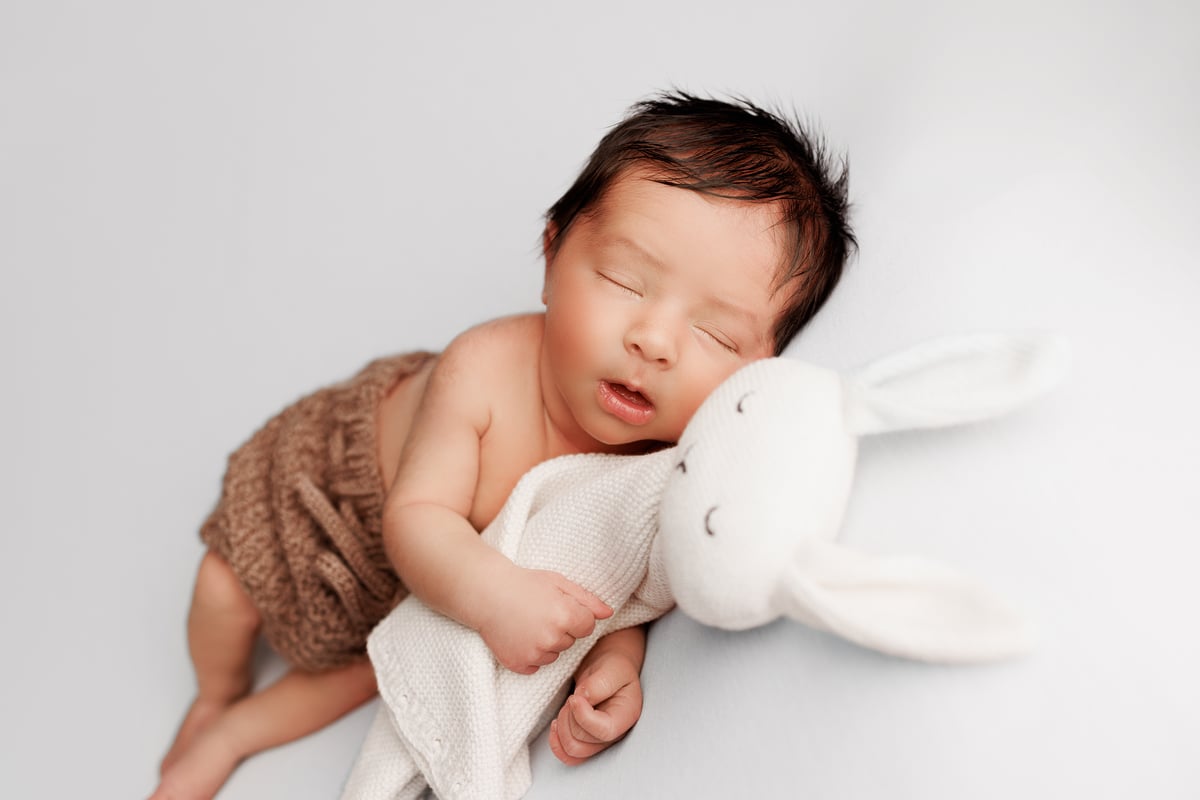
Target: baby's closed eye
<point>718,337</point>
<point>619,282</point>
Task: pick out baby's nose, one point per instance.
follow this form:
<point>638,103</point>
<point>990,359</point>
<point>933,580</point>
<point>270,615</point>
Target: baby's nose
<point>652,342</point>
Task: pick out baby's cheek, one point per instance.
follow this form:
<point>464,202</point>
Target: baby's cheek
<point>695,396</point>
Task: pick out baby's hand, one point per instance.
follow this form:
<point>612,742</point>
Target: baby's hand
<point>606,703</point>
<point>537,615</point>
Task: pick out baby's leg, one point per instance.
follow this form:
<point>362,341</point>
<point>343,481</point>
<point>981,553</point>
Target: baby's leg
<point>298,704</point>
<point>222,626</point>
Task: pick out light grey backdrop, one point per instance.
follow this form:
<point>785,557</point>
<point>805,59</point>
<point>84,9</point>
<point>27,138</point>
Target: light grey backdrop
<point>208,209</point>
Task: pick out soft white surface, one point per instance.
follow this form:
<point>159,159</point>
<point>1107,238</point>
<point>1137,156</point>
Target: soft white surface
<point>206,211</point>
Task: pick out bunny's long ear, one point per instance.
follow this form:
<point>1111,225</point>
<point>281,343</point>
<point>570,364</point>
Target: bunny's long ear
<point>904,606</point>
<point>953,380</point>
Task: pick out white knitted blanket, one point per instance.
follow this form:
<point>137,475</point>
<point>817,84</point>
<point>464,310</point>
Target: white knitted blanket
<point>452,719</point>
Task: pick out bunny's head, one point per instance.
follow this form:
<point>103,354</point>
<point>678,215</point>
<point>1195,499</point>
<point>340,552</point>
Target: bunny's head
<point>757,495</point>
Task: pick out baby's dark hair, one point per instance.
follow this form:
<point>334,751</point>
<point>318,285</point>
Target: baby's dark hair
<point>735,150</point>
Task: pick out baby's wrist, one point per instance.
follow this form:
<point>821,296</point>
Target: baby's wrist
<point>484,591</point>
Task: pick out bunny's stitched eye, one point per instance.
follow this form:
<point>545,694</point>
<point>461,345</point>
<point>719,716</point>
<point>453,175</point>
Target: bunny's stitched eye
<point>741,400</point>
<point>707,522</point>
<point>682,465</point>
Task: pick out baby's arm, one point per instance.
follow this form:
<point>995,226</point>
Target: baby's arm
<point>607,700</point>
<point>526,617</point>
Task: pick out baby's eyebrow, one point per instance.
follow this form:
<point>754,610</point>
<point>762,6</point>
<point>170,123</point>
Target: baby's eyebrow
<point>743,315</point>
<point>641,253</point>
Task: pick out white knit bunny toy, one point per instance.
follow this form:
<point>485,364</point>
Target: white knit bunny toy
<point>749,515</point>
<point>751,499</point>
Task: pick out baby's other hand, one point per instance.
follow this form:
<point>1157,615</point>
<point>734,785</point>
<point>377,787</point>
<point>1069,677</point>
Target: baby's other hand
<point>537,615</point>
<point>606,703</point>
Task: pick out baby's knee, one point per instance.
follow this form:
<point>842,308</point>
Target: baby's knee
<point>218,587</point>
<point>354,681</point>
<point>361,675</point>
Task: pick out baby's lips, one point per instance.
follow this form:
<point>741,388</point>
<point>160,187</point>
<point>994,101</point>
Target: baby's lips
<point>633,408</point>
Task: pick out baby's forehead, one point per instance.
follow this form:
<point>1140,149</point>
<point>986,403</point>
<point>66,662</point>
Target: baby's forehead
<point>625,202</point>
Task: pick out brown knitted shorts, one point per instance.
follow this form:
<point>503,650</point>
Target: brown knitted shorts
<point>300,520</point>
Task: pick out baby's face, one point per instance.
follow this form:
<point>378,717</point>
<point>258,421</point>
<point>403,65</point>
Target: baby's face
<point>651,302</point>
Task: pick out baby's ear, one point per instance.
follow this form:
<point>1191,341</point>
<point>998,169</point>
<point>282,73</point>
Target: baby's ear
<point>549,246</point>
<point>549,238</point>
<point>952,381</point>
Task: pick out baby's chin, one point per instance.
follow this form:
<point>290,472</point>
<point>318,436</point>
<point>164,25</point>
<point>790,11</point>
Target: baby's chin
<point>631,444</point>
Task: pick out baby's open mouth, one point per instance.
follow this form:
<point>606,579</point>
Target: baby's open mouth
<point>624,403</point>
<point>635,397</point>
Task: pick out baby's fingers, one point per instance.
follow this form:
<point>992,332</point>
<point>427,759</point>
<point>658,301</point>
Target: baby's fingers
<point>559,747</point>
<point>569,744</point>
<point>565,642</point>
<point>592,725</point>
<point>593,604</point>
<point>598,683</point>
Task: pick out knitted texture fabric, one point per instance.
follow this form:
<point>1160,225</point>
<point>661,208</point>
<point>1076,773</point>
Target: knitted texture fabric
<point>300,520</point>
<point>454,720</point>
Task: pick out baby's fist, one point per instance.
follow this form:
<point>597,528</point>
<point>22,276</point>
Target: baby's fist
<point>537,616</point>
<point>606,703</point>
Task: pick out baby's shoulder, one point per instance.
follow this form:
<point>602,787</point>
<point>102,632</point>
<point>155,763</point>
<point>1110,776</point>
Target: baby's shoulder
<point>491,353</point>
<point>501,340</point>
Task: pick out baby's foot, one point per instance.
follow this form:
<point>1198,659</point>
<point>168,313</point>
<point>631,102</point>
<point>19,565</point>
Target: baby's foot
<point>196,721</point>
<point>199,770</point>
